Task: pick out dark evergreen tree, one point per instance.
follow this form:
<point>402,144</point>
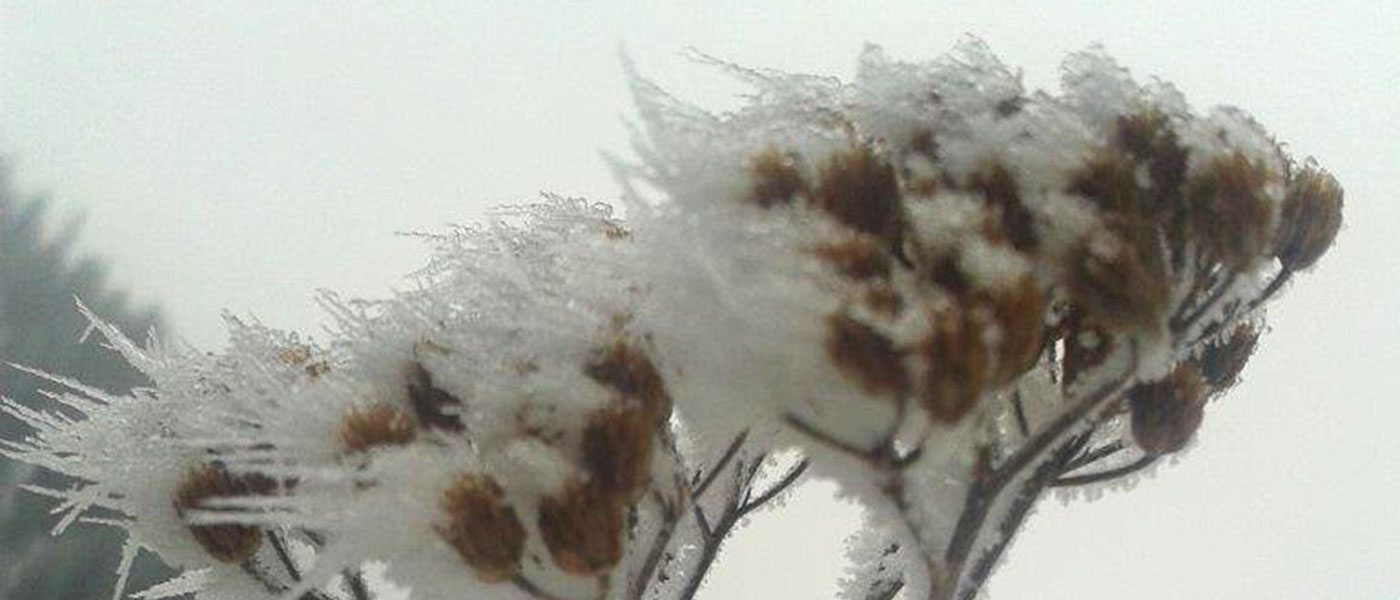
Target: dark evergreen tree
<point>40,327</point>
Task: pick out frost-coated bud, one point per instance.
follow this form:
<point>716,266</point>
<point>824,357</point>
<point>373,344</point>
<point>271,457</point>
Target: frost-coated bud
<point>482,528</point>
<point>1166,413</point>
<point>1312,215</point>
<point>230,543</point>
<point>378,425</point>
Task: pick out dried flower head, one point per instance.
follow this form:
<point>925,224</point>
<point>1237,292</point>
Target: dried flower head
<point>617,449</point>
<point>1311,217</point>
<point>859,189</point>
<point>230,543</point>
<point>1166,413</point>
<point>380,425</point>
<point>482,527</point>
<point>776,178</point>
<point>957,362</point>
<point>1231,211</point>
<point>865,355</point>
<point>1222,362</point>
<point>582,527</point>
<point>1119,279</point>
<point>626,368</point>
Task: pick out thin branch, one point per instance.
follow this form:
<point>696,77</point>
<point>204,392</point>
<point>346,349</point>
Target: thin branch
<point>989,485</point>
<point>804,427</point>
<point>787,480</point>
<point>670,518</point>
<point>706,532</point>
<point>1020,411</point>
<point>279,547</point>
<point>719,466</point>
<point>1093,456</point>
<point>1018,511</point>
<point>1107,474</point>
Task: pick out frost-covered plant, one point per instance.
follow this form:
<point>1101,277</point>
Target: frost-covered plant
<point>936,289</point>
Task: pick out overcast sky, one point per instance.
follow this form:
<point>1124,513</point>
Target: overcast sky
<point>239,155</point>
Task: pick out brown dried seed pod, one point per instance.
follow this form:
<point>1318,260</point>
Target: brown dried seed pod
<point>617,450</point>
<point>1122,284</point>
<point>482,528</point>
<point>998,186</point>
<point>857,256</point>
<point>1229,211</point>
<point>882,299</point>
<point>859,189</point>
<point>1149,138</point>
<point>582,528</point>
<point>378,425</point>
<point>1020,314</point>
<point>432,406</point>
<point>1109,180</point>
<point>957,363</point>
<point>1222,362</point>
<point>865,355</point>
<point>1166,413</point>
<point>776,179</point>
<point>228,543</point>
<point>1311,217</point>
<point>628,370</point>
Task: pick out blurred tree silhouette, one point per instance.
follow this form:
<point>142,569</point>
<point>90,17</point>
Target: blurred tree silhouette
<point>40,327</point>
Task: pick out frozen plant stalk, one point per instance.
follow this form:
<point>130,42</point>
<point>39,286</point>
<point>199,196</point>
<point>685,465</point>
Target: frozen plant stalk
<point>941,291</point>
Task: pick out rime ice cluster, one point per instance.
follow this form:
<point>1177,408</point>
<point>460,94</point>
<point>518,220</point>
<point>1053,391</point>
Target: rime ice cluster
<point>943,291</point>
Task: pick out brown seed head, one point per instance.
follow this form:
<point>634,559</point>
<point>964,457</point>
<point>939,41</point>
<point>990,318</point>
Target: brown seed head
<point>628,370</point>
<point>1121,282</point>
<point>957,362</point>
<point>856,256</point>
<point>1020,315</point>
<point>228,543</point>
<point>375,426</point>
<point>882,299</point>
<point>1166,413</point>
<point>1312,215</point>
<point>1149,138</point>
<point>776,179</point>
<point>1222,362</point>
<point>617,449</point>
<point>582,528</point>
<point>998,187</point>
<point>482,528</point>
<point>865,355</point>
<point>1229,211</point>
<point>859,189</point>
<point>1109,180</point>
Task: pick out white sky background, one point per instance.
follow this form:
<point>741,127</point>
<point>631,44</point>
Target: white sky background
<point>238,155</point>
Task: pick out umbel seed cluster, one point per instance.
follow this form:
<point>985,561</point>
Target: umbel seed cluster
<point>943,292</point>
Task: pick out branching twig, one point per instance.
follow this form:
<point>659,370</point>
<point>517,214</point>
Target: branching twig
<point>1107,474</point>
<point>988,485</point>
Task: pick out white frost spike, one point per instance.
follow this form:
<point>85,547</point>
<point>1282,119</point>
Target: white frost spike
<point>187,582</point>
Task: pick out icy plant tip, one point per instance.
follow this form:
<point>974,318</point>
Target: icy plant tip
<point>941,291</point>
